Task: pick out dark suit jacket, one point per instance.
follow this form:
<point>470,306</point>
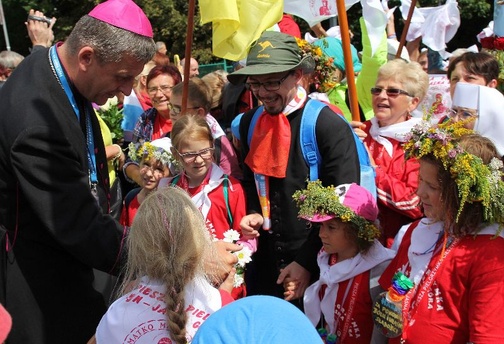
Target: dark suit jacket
<point>56,228</point>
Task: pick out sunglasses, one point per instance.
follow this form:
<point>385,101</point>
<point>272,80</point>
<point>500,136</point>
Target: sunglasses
<point>391,92</point>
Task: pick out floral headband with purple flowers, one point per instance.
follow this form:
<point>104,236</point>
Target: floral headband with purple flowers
<point>476,181</point>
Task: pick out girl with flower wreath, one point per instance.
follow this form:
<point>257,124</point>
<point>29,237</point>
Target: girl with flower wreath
<point>447,278</point>
<point>219,197</point>
<point>166,294</point>
<point>341,300</point>
<point>153,159</point>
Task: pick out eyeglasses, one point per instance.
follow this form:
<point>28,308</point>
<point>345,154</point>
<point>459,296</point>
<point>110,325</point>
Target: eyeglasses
<point>463,114</point>
<point>189,157</point>
<point>268,85</point>
<point>155,170</point>
<point>391,92</point>
<point>163,88</point>
<point>178,109</point>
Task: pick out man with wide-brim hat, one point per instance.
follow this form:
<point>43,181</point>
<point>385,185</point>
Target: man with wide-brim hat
<point>273,158</point>
<point>273,53</point>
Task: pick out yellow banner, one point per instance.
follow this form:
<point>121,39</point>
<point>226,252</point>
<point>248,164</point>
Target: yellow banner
<point>236,24</point>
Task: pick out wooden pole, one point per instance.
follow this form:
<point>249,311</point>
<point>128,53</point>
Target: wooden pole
<point>187,56</point>
<point>402,42</point>
<point>347,54</point>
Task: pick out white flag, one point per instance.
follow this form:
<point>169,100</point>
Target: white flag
<point>315,11</point>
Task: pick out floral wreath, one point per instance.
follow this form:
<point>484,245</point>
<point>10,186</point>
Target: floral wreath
<point>476,182</point>
<point>324,67</point>
<point>146,150</point>
<point>316,199</point>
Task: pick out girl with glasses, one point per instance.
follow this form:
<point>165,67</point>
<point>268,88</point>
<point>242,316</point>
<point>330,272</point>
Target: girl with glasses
<point>219,197</point>
<point>398,90</point>
<point>199,103</point>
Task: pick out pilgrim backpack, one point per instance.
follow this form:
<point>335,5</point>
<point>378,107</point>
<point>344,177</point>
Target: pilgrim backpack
<point>309,147</point>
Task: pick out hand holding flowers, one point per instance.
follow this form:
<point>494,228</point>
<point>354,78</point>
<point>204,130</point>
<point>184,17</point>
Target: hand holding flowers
<point>244,256</point>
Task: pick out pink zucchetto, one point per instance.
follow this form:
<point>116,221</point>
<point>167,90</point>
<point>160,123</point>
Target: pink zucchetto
<point>124,14</point>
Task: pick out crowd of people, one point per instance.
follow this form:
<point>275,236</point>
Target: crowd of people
<point>224,214</point>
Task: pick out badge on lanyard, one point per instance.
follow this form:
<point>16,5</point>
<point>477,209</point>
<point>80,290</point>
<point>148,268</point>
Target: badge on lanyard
<point>387,307</point>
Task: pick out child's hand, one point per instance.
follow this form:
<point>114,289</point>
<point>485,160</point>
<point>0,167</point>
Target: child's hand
<point>358,128</point>
<point>290,290</point>
<point>227,285</point>
<point>297,274</point>
<point>250,225</point>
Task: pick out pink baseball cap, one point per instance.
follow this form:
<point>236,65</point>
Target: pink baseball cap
<point>355,197</point>
<point>124,14</point>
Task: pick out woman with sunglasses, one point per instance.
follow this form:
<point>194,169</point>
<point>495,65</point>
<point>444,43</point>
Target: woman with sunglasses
<point>155,122</point>
<point>398,90</point>
<point>219,197</point>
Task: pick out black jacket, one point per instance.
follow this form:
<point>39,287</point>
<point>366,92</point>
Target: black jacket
<point>290,239</point>
<point>57,230</point>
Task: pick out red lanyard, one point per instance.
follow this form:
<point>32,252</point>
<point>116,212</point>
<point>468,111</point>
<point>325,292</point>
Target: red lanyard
<point>351,304</point>
<point>423,287</point>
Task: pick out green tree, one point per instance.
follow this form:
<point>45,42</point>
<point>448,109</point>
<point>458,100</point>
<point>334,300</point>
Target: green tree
<point>169,20</point>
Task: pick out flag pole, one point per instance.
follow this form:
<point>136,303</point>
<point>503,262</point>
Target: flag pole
<point>187,56</point>
<point>402,42</point>
<point>4,25</point>
<point>347,54</point>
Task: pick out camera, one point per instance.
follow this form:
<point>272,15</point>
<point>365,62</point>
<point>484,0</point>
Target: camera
<point>42,19</point>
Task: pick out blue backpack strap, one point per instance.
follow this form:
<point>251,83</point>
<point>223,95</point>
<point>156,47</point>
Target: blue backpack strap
<point>253,123</point>
<point>308,137</point>
<point>361,150</point>
<point>367,171</point>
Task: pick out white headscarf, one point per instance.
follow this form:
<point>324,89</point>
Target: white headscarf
<point>490,105</point>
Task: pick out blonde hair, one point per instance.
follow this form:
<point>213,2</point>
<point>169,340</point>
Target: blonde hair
<point>216,82</point>
<point>411,76</point>
<point>190,127</point>
<point>198,94</point>
<point>167,242</point>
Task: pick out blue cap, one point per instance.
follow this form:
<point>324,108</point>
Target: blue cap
<point>257,319</point>
<point>332,47</point>
<point>235,126</point>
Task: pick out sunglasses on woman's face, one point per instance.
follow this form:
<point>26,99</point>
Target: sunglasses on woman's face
<point>391,92</point>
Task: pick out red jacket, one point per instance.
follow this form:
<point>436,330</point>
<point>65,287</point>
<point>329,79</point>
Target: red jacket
<point>396,183</point>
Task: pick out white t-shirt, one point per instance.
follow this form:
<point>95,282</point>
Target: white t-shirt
<point>139,316</point>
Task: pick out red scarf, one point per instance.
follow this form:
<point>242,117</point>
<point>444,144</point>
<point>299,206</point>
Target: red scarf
<point>162,126</point>
<point>270,145</point>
